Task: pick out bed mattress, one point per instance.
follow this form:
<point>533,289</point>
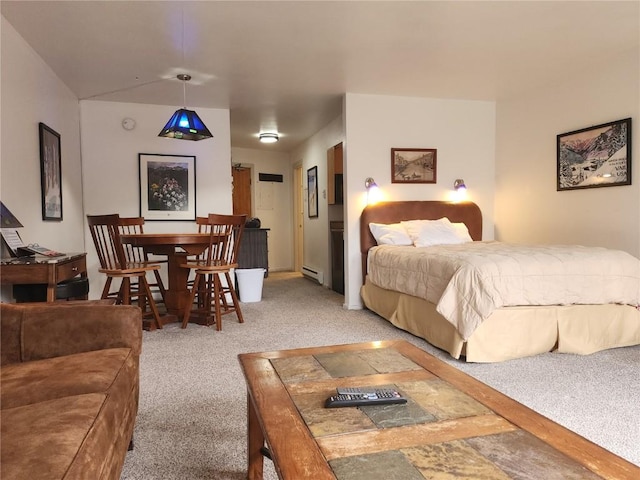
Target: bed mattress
<point>467,283</point>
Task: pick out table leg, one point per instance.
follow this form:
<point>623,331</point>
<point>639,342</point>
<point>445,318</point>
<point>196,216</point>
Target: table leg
<point>255,442</point>
<point>51,292</point>
<point>177,294</point>
<point>52,282</point>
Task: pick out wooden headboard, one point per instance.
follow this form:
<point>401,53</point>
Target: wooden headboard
<point>394,212</point>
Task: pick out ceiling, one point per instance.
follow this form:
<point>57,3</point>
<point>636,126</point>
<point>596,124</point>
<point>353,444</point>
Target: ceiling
<point>284,66</point>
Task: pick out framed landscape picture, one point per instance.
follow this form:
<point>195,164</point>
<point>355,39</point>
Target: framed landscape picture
<point>167,186</point>
<point>413,165</point>
<point>50,173</point>
<point>598,156</point>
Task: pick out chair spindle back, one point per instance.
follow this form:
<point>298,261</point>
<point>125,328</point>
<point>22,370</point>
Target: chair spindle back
<point>132,226</point>
<point>226,233</point>
<point>106,238</point>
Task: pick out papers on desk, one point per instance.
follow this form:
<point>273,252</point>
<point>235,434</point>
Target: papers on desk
<point>18,248</point>
<point>35,249</point>
<point>12,239</point>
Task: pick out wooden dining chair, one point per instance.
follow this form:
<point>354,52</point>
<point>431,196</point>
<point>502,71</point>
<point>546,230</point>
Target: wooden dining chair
<point>137,255</point>
<point>209,296</point>
<point>203,227</point>
<point>105,233</point>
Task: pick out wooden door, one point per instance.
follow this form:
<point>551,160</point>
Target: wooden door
<point>241,191</point>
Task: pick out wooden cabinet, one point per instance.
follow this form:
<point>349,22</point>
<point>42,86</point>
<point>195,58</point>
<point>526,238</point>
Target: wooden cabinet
<point>335,189</point>
<point>337,256</point>
<point>254,251</point>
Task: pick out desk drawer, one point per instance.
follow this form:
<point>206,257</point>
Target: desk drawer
<point>69,270</point>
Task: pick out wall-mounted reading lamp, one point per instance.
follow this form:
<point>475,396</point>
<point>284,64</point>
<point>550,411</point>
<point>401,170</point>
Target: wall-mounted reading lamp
<point>370,183</point>
<point>373,191</point>
<point>460,190</point>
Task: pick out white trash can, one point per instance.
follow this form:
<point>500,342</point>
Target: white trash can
<point>250,284</point>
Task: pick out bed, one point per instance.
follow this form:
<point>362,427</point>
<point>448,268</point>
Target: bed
<point>506,331</point>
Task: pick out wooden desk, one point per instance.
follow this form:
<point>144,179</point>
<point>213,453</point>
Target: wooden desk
<point>452,424</point>
<point>42,269</point>
<point>176,247</point>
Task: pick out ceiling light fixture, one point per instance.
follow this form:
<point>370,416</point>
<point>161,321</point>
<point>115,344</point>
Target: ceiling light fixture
<point>185,124</point>
<point>269,137</point>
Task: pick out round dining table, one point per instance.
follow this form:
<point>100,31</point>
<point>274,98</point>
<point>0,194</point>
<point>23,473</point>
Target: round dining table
<point>176,247</point>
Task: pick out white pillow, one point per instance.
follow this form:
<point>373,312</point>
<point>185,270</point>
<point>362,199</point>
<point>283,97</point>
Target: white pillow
<point>462,232</point>
<point>425,233</point>
<point>415,227</point>
<point>390,234</point>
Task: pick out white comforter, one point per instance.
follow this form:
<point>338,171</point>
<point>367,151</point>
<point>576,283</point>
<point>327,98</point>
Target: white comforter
<point>468,282</point>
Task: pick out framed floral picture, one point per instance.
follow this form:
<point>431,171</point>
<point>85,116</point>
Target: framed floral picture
<point>167,186</point>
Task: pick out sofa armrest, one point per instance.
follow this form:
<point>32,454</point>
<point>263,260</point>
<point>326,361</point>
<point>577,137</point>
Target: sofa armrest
<point>56,329</point>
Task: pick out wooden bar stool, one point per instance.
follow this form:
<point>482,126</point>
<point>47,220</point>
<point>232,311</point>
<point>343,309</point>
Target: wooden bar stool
<point>113,263</point>
<point>208,295</point>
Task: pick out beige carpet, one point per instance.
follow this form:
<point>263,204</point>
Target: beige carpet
<point>191,423</point>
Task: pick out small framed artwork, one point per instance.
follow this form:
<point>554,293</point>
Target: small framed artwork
<point>598,156</point>
<point>50,173</point>
<point>413,165</point>
<point>312,191</point>
<point>167,186</point>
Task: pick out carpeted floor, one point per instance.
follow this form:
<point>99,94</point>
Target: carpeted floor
<point>192,417</point>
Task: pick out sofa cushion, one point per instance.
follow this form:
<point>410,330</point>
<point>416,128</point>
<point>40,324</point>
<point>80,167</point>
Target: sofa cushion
<point>43,338</point>
<point>88,372</point>
<point>44,439</point>
<point>10,335</point>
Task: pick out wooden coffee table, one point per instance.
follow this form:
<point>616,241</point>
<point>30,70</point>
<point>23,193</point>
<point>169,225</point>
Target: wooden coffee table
<point>452,424</point>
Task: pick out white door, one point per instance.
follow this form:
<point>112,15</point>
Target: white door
<point>298,231</point>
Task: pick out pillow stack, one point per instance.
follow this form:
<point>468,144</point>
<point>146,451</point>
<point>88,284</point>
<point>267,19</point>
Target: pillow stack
<point>421,233</point>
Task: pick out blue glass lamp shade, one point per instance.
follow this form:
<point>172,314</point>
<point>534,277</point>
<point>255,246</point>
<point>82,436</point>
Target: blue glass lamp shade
<point>185,125</point>
<point>8,219</point>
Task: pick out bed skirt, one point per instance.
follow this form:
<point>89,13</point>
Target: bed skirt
<point>511,332</point>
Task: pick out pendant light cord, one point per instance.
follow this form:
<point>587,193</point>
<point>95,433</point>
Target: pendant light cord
<point>184,81</point>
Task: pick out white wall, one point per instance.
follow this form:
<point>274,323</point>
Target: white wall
<point>462,131</point>
<point>110,165</point>
<point>272,202</point>
<point>312,153</point>
<point>528,209</point>
<point>32,93</point>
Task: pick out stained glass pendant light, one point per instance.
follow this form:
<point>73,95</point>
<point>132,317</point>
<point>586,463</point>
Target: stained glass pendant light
<point>185,124</point>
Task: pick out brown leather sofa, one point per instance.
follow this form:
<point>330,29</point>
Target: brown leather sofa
<point>68,389</point>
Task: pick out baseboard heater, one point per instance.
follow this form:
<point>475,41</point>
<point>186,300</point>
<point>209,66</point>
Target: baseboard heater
<point>312,274</point>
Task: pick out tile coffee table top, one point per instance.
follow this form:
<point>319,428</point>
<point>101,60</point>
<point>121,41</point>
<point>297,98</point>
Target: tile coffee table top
<point>440,433</point>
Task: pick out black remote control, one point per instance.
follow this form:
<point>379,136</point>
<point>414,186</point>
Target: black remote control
<point>354,390</point>
<point>364,399</point>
